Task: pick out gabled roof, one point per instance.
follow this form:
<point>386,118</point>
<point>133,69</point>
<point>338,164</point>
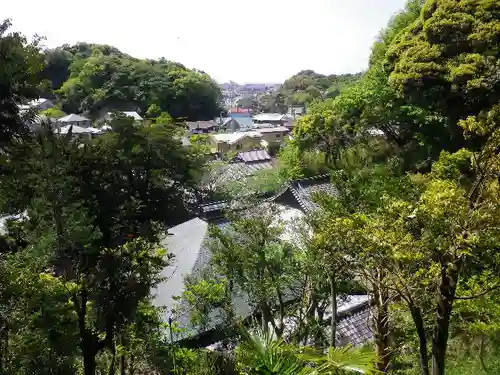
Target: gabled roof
<point>274,129</point>
<point>133,114</point>
<point>239,171</point>
<point>193,125</point>
<point>75,129</point>
<point>73,118</point>
<point>232,138</point>
<point>34,103</point>
<point>231,124</point>
<point>255,155</point>
<point>190,241</point>
<point>267,117</point>
<point>301,193</point>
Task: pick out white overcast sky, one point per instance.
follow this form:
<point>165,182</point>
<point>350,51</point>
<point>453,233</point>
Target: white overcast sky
<point>245,41</point>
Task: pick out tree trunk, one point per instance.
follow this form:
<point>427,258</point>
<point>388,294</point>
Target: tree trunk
<point>381,325</point>
<point>444,306</point>
<point>333,321</point>
<point>416,315</point>
<point>89,363</point>
<point>112,366</point>
<point>4,344</point>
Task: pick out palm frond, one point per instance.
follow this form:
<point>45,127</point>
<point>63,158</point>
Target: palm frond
<point>347,358</point>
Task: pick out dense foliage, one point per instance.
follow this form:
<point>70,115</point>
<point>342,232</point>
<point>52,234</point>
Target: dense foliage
<point>98,78</point>
<point>304,88</point>
<point>412,151</point>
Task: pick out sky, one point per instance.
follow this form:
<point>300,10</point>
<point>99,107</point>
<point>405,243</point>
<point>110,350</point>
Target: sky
<point>253,41</point>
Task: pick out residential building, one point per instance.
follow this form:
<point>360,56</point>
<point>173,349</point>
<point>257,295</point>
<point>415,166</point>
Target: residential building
<point>40,104</point>
<point>269,118</point>
<point>237,141</point>
<point>190,241</point>
<point>296,111</point>
<point>244,165</point>
<point>35,123</point>
<point>229,124</point>
<point>76,120</point>
<point>200,127</point>
<point>109,116</point>
<point>78,132</point>
<point>240,111</point>
<point>275,134</point>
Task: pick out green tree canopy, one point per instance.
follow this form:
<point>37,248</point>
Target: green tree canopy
<point>96,78</point>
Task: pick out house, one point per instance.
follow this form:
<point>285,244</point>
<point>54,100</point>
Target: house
<point>76,120</point>
<point>275,134</point>
<point>109,116</point>
<point>296,111</point>
<point>189,242</point>
<point>237,141</point>
<point>269,118</point>
<point>229,124</point>
<point>240,111</point>
<point>40,104</point>
<point>78,132</point>
<point>200,127</point>
<point>36,122</point>
<point>244,165</point>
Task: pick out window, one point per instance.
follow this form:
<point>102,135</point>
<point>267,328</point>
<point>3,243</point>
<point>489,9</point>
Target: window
<point>238,146</point>
<point>278,135</point>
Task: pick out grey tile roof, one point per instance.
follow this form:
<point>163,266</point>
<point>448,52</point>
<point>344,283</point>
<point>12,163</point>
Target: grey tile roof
<point>73,118</point>
<point>189,243</point>
<point>193,125</point>
<point>304,191</point>
<point>238,171</point>
<point>255,155</point>
<point>355,328</point>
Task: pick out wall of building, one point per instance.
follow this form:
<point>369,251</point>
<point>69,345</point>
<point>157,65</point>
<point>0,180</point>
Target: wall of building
<point>243,144</point>
<point>274,137</point>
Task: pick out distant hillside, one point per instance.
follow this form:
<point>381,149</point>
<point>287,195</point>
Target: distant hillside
<point>305,87</point>
<point>92,78</point>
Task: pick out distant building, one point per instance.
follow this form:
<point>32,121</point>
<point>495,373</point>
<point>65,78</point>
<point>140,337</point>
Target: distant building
<point>200,127</point>
<point>248,140</point>
<point>273,135</point>
<point>79,132</point>
<point>109,116</point>
<point>76,120</point>
<point>296,111</point>
<point>269,118</point>
<point>237,141</point>
<point>39,104</point>
<point>229,124</point>
<point>240,111</point>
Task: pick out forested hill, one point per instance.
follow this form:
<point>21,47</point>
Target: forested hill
<point>92,78</point>
<point>306,87</point>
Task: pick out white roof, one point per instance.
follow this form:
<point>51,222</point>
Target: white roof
<point>33,103</point>
<point>73,118</point>
<point>133,114</point>
<point>75,129</point>
<point>234,137</point>
<point>273,130</point>
<point>268,117</point>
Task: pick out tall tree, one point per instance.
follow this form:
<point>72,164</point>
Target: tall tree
<point>20,74</point>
